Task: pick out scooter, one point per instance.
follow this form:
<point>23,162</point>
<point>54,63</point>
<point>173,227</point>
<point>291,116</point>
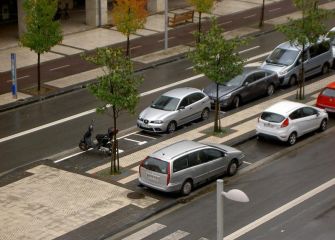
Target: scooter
<point>104,141</point>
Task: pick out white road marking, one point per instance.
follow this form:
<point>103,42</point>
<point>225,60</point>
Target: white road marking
<point>225,23</point>
<point>249,163</point>
<point>144,136</point>
<point>250,16</point>
<point>64,66</point>
<point>280,210</point>
<point>274,9</point>
<point>138,46</point>
<point>176,235</point>
<point>20,134</point>
<point>258,56</point>
<point>162,40</point>
<point>145,232</point>
<point>70,156</point>
<point>249,49</point>
<point>129,178</point>
<point>10,80</point>
<point>138,142</point>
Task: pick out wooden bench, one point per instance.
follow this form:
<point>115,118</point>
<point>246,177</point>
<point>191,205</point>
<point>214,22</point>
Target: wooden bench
<point>181,17</point>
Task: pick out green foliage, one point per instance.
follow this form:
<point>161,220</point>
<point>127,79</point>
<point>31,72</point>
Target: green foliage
<point>203,6</point>
<point>119,86</point>
<point>216,57</point>
<point>42,32</point>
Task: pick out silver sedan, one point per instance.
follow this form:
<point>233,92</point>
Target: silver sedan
<point>174,108</point>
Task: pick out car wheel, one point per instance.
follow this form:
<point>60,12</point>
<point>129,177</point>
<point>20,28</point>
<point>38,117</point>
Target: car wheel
<point>270,90</point>
<point>171,127</point>
<point>292,139</point>
<point>83,146</point>
<point>323,125</point>
<point>205,114</point>
<point>186,188</point>
<point>292,81</point>
<point>325,69</point>
<point>232,167</point>
<point>236,102</point>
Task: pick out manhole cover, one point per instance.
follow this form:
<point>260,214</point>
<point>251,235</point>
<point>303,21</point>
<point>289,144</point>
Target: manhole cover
<point>135,195</point>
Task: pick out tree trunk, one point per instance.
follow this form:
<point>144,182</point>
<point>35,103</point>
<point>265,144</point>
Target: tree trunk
<point>216,120</point>
<point>115,150</point>
<point>262,15</point>
<point>199,28</point>
<point>38,73</point>
<point>128,46</point>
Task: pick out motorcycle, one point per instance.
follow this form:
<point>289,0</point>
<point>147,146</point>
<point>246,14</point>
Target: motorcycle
<point>104,141</point>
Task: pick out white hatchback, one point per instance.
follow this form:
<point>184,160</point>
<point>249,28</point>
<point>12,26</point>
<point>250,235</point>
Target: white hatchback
<point>287,120</point>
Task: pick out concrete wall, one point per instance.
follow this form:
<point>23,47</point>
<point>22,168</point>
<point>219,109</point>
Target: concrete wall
<point>155,6</point>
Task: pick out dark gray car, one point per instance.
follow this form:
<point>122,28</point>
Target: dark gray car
<point>251,84</point>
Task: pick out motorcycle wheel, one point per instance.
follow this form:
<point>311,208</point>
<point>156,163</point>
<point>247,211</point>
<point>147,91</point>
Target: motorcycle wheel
<point>83,146</point>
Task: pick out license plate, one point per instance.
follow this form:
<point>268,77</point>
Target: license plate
<point>268,125</point>
<point>152,177</point>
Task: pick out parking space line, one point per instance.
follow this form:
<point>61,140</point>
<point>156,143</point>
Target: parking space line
<point>249,49</point>
<point>274,9</point>
<point>144,136</point>
<point>64,66</point>
<point>128,179</point>
<point>249,163</point>
<point>70,156</point>
<point>225,23</point>
<point>250,16</point>
<point>162,40</point>
<point>138,142</point>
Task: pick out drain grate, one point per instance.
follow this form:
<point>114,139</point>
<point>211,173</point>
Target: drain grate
<point>135,195</point>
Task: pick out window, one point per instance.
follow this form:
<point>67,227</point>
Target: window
<point>272,117</point>
<point>194,159</point>
<point>296,114</point>
<point>180,163</point>
<point>329,92</point>
<point>156,165</point>
<point>212,154</point>
<point>308,111</point>
<point>282,56</point>
<point>165,103</point>
<point>194,97</point>
<point>184,102</point>
<point>249,79</point>
<point>259,75</point>
<point>319,48</point>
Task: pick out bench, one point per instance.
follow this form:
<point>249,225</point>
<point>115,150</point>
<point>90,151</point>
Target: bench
<point>181,17</point>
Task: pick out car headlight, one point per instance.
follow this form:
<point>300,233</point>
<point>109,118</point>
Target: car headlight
<point>225,96</point>
<point>157,121</point>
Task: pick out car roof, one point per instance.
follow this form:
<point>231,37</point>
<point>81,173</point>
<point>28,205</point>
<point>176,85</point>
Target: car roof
<point>181,92</point>
<point>284,107</point>
<point>170,152</point>
<point>290,46</point>
<point>331,85</point>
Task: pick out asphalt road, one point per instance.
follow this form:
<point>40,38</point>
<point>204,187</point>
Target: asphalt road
<point>277,185</point>
<point>62,139</point>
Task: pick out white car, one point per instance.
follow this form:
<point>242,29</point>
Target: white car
<point>287,120</point>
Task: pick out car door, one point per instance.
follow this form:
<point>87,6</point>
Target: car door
<point>216,161</point>
<point>197,103</point>
<point>312,119</point>
<point>248,89</point>
<point>259,84</point>
<point>184,111</point>
<point>197,162</point>
<point>297,121</point>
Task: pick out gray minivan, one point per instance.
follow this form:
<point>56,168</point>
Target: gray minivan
<point>185,164</point>
<point>285,61</point>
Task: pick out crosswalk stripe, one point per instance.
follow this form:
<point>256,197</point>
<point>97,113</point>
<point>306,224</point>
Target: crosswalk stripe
<point>145,232</point>
<point>176,235</point>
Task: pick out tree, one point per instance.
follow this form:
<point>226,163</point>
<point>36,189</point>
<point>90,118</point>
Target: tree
<point>261,20</point>
<point>129,16</point>
<point>42,31</point>
<point>201,6</point>
<point>305,31</point>
<point>217,59</point>
<point>117,89</point>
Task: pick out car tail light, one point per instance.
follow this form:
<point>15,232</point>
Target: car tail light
<point>285,123</point>
<point>141,165</point>
<point>168,175</point>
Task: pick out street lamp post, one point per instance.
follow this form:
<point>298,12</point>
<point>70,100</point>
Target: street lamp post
<point>234,195</point>
<point>166,25</point>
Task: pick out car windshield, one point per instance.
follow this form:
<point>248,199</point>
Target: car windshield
<point>156,165</point>
<point>165,103</point>
<point>282,56</point>
<point>236,81</point>
<point>328,92</point>
<point>272,117</point>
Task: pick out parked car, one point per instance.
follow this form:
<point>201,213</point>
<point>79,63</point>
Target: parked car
<point>251,84</point>
<point>326,98</point>
<point>185,164</point>
<point>174,108</point>
<point>285,60</point>
<point>287,120</point>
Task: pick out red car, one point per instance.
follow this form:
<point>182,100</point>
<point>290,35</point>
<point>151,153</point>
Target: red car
<point>326,98</point>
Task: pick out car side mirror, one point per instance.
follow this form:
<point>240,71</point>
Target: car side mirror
<point>246,84</point>
<point>181,108</point>
<point>318,113</point>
